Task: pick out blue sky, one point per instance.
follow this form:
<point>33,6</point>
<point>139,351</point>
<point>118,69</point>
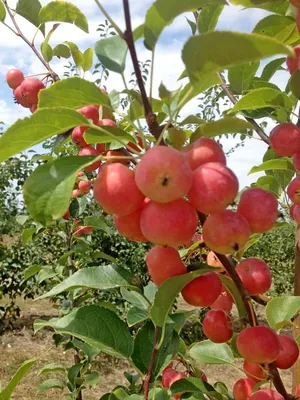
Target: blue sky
<point>168,64</point>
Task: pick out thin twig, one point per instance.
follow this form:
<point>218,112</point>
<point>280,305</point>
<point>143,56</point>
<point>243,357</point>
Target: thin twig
<point>108,17</point>
<point>151,365</point>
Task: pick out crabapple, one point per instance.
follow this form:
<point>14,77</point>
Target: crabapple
<point>223,302</point>
<point>163,174</point>
<point>293,190</point>
<point>18,95</point>
<point>213,261</point>
<point>255,275</point>
<point>289,352</point>
<point>29,90</point>
<point>82,230</point>
<point>260,208</point>
<point>163,263</point>
<point>285,139</point>
<point>90,151</point>
<point>243,388</point>
<point>295,210</point>
<point>133,146</point>
<point>76,193</point>
<point>258,344</point>
<point>226,232</point>
<point>169,376</point>
<point>204,150</point>
<point>116,191</point>
<point>14,78</point>
<point>33,108</point>
<point>266,394</point>
<point>293,62</point>
<point>112,156</point>
<point>172,224</point>
<point>90,112</point>
<point>100,148</point>
<point>79,174</point>
<point>84,186</point>
<point>129,225</point>
<point>217,326</point>
<point>254,371</point>
<point>203,291</point>
<point>214,186</point>
<point>296,158</point>
<point>107,122</point>
<point>67,215</point>
<point>296,390</point>
<point>77,136</point>
<point>295,3</point>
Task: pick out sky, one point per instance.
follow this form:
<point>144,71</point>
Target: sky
<point>168,64</point>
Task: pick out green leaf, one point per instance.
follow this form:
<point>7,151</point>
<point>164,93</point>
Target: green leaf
<point>222,126</point>
<point>261,98</point>
<point>100,254</point>
<point>135,298</point>
<point>88,59</point>
<point>92,378</point>
<point>207,352</point>
<point>194,385</point>
<point>97,326</point>
<point>209,17</point>
<point>167,293</point>
<point>231,287</point>
<point>51,384</point>
<point>30,11</point>
<point>72,93</point>
<point>5,394</point>
<point>31,271</point>
<point>76,54</point>
<point>102,278</point>
<point>47,51</point>
<point>241,76</point>
<point>229,49</point>
<point>108,134</point>
<point>2,12</point>
<point>279,27</point>
<point>97,223</point>
<point>63,11</point>
<point>45,273</point>
<point>268,182</point>
<point>280,310</point>
<point>192,119</point>
<point>135,315</point>
<point>21,219</point>
<point>274,164</point>
<point>163,12</point>
<point>51,368</point>
<point>112,52</point>
<point>295,84</point>
<point>42,125</point>
<point>48,190</point>
<point>27,235</point>
<point>271,68</point>
<point>192,25</point>
<point>143,347</point>
<point>61,50</point>
<point>275,6</point>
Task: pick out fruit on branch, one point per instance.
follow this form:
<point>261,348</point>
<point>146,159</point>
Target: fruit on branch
<point>163,263</point>
<point>82,230</point>
<point>296,161</point>
<point>214,186</point>
<point>285,139</point>
<point>293,190</point>
<point>172,224</point>
<point>295,213</point>
<point>84,186</point>
<point>33,108</point>
<point>129,225</point>
<point>14,78</point>
<point>29,90</point>
<point>224,302</point>
<point>255,371</point>
<point>90,151</point>
<point>217,326</point>
<point>204,150</point>
<point>169,376</point>
<point>90,112</point>
<point>100,148</point>
<point>107,122</point>
<point>133,146</point>
<point>163,174</point>
<point>67,215</point>
<point>76,193</point>
<point>289,352</point>
<point>255,275</point>
<point>293,62</point>
<point>260,208</point>
<point>226,232</point>
<point>243,388</point>
<point>116,191</point>
<point>112,157</point>
<point>203,291</point>
<point>292,208</point>
<point>266,394</point>
<point>77,136</point>
<point>258,344</point>
<point>176,138</point>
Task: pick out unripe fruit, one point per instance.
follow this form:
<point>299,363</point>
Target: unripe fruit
<point>285,139</point>
<point>100,148</point>
<point>84,186</point>
<point>224,302</point>
<point>296,161</point>
<point>163,263</point>
<point>217,326</point>
<point>266,394</point>
<point>255,371</point>
<point>172,224</point>
<point>243,388</point>
<point>107,122</point>
<point>214,186</point>
<point>260,208</point>
<point>29,90</point>
<point>258,344</point>
<point>163,175</point>
<point>226,232</point>
<point>213,261</point>
<point>204,150</point>
<point>255,275</point>
<point>116,191</point>
<point>77,136</point>
<point>293,190</point>
<point>129,225</point>
<point>296,213</point>
<point>14,78</point>
<point>112,156</point>
<point>289,352</point>
<point>90,151</point>
<point>293,62</point>
<point>90,112</point>
<point>203,291</point>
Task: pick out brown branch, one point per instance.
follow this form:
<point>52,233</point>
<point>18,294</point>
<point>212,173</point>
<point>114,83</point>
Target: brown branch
<point>260,299</point>
<point>151,365</point>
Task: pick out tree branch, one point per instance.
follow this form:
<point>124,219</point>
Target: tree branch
<point>151,365</point>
